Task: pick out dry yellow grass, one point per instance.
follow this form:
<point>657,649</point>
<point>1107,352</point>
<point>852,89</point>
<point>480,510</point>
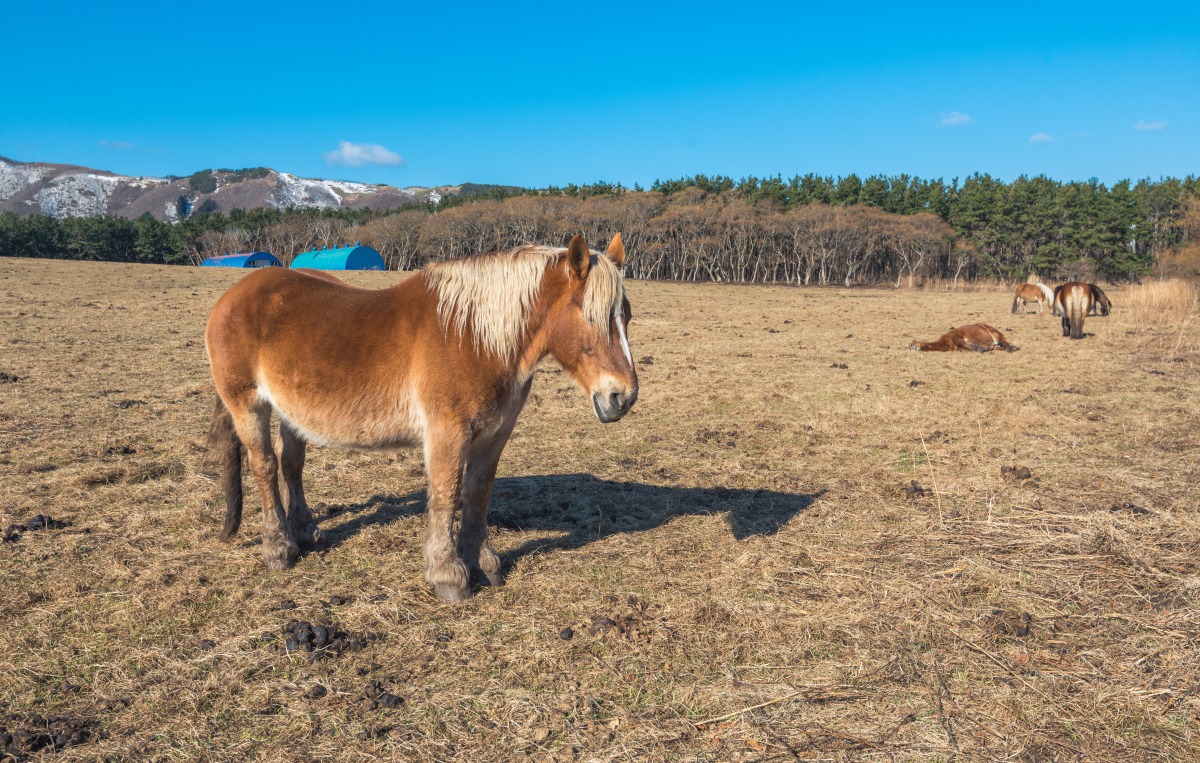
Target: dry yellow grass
<point>799,545</point>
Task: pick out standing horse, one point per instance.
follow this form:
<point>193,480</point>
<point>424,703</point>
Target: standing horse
<point>443,360</point>
<point>1073,301</point>
<point>978,337</point>
<point>1029,292</point>
<point>1102,305</point>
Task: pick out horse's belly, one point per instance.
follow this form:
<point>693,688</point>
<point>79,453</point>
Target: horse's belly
<point>344,423</point>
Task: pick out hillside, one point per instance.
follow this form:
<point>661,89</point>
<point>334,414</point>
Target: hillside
<point>65,190</point>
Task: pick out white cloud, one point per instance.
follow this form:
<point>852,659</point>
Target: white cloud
<point>358,154</point>
<point>1041,137</point>
<point>1144,125</point>
<point>956,118</point>
<point>116,145</point>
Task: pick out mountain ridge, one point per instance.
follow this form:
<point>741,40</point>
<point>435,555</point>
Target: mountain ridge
<point>70,190</point>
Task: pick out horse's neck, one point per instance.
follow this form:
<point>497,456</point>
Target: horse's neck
<point>942,343</point>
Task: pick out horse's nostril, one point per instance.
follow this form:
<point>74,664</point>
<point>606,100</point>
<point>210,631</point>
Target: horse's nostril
<point>614,400</point>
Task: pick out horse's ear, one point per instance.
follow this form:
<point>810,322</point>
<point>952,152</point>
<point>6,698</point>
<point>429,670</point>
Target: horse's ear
<point>579,256</point>
<point>616,251</point>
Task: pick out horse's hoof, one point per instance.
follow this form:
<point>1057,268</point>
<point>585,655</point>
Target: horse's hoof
<point>490,579</point>
<point>281,558</point>
<point>450,593</point>
<point>312,538</point>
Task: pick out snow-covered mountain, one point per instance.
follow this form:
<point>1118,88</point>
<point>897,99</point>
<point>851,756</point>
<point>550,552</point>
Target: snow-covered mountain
<point>63,190</point>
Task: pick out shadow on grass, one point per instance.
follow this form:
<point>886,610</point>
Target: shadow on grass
<point>582,509</point>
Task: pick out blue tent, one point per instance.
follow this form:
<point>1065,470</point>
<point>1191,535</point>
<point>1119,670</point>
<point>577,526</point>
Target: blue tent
<point>356,257</point>
<point>247,260</point>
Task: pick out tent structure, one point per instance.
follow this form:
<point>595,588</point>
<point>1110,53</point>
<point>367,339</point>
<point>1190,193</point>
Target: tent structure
<point>356,257</point>
<point>240,260</point>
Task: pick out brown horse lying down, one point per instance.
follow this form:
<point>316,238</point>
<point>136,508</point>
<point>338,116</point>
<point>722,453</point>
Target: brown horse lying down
<point>978,337</point>
<point>443,360</point>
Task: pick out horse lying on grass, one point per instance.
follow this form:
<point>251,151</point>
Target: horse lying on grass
<point>978,337</point>
<point>443,360</point>
<point>1030,292</point>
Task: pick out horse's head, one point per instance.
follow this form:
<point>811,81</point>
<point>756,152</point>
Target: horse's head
<point>588,328</point>
<point>1104,304</point>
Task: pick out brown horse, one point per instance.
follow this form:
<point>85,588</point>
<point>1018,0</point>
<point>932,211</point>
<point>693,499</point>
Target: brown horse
<point>978,337</point>
<point>1073,301</point>
<point>1029,292</point>
<point>443,360</point>
<point>1102,305</point>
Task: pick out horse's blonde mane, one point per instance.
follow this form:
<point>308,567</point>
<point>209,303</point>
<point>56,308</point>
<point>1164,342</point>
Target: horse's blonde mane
<point>494,292</point>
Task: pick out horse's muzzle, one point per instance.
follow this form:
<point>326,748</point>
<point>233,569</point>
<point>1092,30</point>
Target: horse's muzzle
<point>614,405</point>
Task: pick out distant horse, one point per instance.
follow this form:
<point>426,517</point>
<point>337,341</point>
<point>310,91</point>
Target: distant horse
<point>1102,305</point>
<point>1029,292</point>
<point>443,360</point>
<point>1073,301</point>
<point>978,337</point>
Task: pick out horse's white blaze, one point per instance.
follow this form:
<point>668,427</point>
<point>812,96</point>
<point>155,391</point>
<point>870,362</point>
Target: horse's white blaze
<point>621,332</point>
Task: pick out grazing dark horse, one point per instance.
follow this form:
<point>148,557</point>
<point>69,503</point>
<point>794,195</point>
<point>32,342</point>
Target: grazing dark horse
<point>1073,301</point>
<point>978,337</point>
<point>443,360</point>
<point>1029,292</point>
<point>1102,305</point>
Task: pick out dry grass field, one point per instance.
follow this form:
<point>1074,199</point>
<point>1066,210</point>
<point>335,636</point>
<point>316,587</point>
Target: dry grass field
<point>805,543</point>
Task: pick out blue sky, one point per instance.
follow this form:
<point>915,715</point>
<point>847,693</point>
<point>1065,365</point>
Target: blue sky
<point>425,93</point>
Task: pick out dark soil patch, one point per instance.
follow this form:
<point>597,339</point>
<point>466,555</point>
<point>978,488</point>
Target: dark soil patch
<point>1125,507</point>
<point>914,491</point>
<point>7,378</point>
<point>319,641</point>
<point>375,695</point>
<point>34,524</point>
<point>1004,622</point>
<point>20,738</point>
<point>1018,473</point>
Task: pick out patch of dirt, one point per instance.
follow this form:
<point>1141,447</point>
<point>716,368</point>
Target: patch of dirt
<point>635,621</point>
<point>913,491</point>
<point>21,738</point>
<point>319,641</point>
<point>1005,622</point>
<point>1016,473</point>
<point>36,523</point>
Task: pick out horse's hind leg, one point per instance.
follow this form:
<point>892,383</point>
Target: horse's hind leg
<point>292,451</point>
<point>253,423</point>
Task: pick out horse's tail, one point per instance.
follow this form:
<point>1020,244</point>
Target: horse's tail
<point>1077,304</point>
<point>223,439</point>
<point>1016,298</point>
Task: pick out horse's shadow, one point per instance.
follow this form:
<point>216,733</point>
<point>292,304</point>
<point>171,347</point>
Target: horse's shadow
<point>579,509</point>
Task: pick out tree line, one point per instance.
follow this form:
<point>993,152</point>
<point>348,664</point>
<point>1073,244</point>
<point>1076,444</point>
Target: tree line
<point>806,230</point>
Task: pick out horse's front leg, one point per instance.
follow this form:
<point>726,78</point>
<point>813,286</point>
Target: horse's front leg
<point>444,570</point>
<point>473,544</point>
